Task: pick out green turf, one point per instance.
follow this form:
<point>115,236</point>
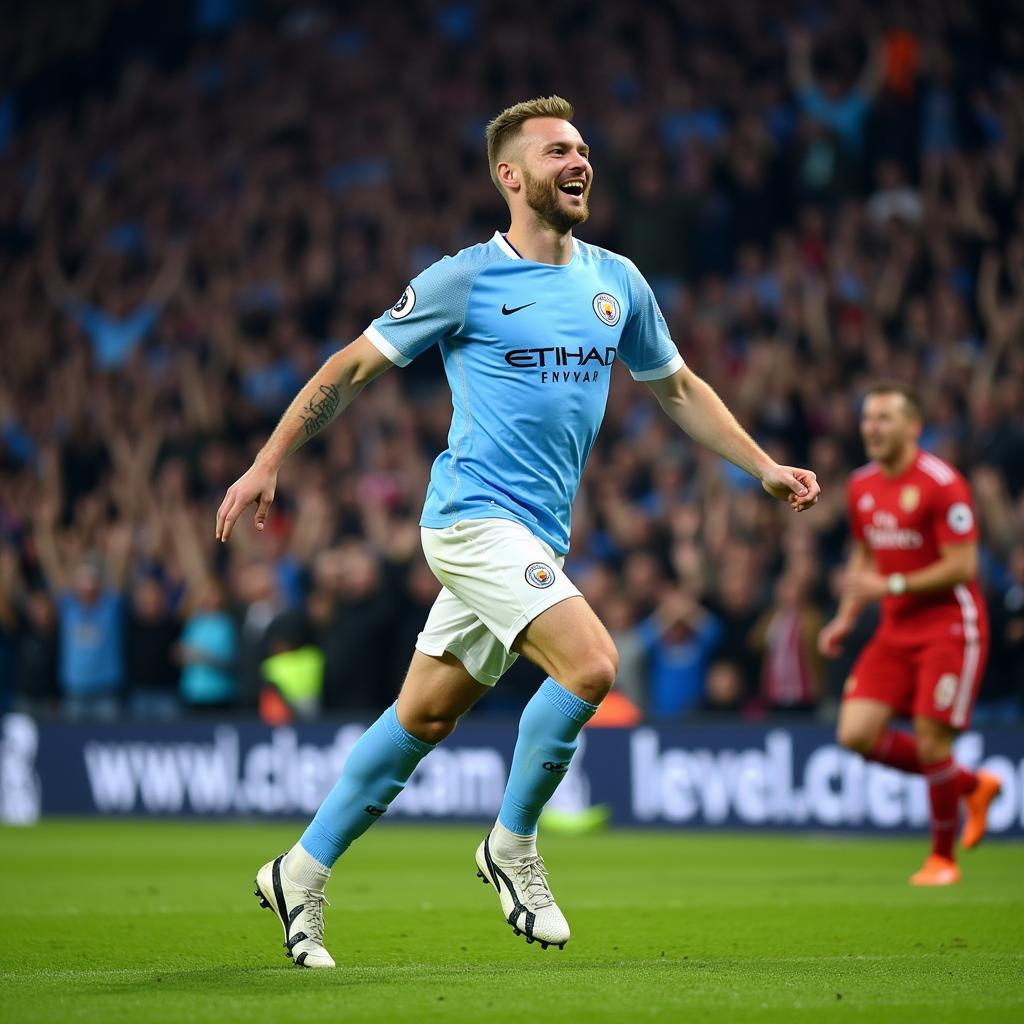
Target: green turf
<point>117,921</point>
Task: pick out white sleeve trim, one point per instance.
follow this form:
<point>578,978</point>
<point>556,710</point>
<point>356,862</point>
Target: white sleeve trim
<point>665,370</point>
<point>385,348</point>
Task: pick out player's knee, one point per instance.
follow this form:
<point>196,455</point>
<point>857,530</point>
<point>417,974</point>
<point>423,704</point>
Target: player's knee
<point>430,724</point>
<point>433,729</point>
<point>932,747</point>
<point>857,737</point>
<point>595,674</point>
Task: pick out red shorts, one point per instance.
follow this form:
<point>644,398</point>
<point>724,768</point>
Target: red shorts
<point>937,679</point>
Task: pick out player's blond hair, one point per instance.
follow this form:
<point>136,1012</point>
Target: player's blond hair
<point>508,126</point>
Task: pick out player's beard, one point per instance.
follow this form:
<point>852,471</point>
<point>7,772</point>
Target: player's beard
<point>542,197</point>
<point>886,450</point>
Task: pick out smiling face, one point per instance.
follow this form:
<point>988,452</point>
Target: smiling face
<point>889,426</point>
<point>547,169</point>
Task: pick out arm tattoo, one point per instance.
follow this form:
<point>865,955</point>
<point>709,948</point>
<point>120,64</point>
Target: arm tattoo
<point>320,409</point>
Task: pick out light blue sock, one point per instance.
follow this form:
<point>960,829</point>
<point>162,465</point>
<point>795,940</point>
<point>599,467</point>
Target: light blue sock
<point>376,771</point>
<point>548,734</point>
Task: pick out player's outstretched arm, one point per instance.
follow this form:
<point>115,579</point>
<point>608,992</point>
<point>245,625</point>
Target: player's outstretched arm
<point>330,390</point>
<point>693,405</point>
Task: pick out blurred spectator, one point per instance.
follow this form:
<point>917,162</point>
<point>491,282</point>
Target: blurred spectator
<point>725,691</point>
<point>9,624</point>
<point>419,591</point>
<point>116,331</point>
<point>293,671</point>
<point>737,605</point>
<point>679,639</point>
<point>787,634</point>
<point>819,196</point>
<point>36,667</point>
<point>354,612</point>
<point>90,607</point>
<point>894,199</point>
<point>1002,696</point>
<point>619,616</point>
<point>152,634</point>
<point>208,650</point>
<point>824,97</point>
<point>259,607</point>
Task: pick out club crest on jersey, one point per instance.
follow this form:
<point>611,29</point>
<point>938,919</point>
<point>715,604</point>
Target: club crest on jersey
<point>607,308</point>
<point>540,575</point>
<point>910,498</point>
<point>945,691</point>
<point>404,306</point>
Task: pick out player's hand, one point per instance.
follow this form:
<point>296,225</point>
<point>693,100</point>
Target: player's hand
<point>832,638</point>
<point>863,586</point>
<point>797,486</point>
<point>257,485</point>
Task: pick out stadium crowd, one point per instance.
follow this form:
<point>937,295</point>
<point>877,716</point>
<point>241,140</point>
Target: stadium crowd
<point>198,206</point>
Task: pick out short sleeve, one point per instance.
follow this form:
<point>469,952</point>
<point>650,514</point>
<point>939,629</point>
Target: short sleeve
<point>856,527</point>
<point>431,308</point>
<point>953,514</point>
<point>646,347</point>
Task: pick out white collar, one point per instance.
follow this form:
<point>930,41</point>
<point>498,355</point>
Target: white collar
<point>512,253</point>
<point>505,246</point>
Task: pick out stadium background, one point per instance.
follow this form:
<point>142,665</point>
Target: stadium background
<point>199,201</point>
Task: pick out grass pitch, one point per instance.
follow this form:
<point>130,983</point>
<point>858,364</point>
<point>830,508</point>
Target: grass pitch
<point>138,922</point>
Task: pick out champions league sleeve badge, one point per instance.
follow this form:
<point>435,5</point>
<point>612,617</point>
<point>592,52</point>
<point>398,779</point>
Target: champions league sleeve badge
<point>960,518</point>
<point>405,305</point>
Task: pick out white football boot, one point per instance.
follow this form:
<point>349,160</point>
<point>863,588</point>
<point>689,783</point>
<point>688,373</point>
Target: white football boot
<point>300,911</point>
<point>526,899</point>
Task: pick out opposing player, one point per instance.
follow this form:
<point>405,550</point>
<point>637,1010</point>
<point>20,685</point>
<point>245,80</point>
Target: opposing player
<point>529,324</point>
<point>915,550</point>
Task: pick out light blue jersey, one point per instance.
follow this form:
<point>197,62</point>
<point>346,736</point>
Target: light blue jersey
<point>528,350</point>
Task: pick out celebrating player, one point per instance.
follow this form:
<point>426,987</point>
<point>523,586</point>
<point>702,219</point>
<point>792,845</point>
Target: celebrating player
<point>529,324</point>
<point>916,550</point>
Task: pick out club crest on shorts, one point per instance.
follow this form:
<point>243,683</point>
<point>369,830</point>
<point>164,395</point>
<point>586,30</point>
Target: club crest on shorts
<point>404,306</point>
<point>910,498</point>
<point>945,691</point>
<point>540,575</point>
<point>607,308</point>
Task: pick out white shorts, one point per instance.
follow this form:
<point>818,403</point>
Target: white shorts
<point>497,578</point>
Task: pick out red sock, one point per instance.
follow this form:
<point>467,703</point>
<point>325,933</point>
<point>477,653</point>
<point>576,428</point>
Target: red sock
<point>944,790</point>
<point>967,782</point>
<point>897,750</point>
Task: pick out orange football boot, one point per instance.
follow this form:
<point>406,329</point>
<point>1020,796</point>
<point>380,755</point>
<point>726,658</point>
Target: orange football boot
<point>937,871</point>
<point>977,808</point>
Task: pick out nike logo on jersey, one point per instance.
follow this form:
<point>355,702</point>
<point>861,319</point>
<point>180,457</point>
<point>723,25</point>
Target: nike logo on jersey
<point>515,309</point>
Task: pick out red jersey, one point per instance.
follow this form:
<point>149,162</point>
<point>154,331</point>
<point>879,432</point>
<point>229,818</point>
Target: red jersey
<point>905,521</point>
